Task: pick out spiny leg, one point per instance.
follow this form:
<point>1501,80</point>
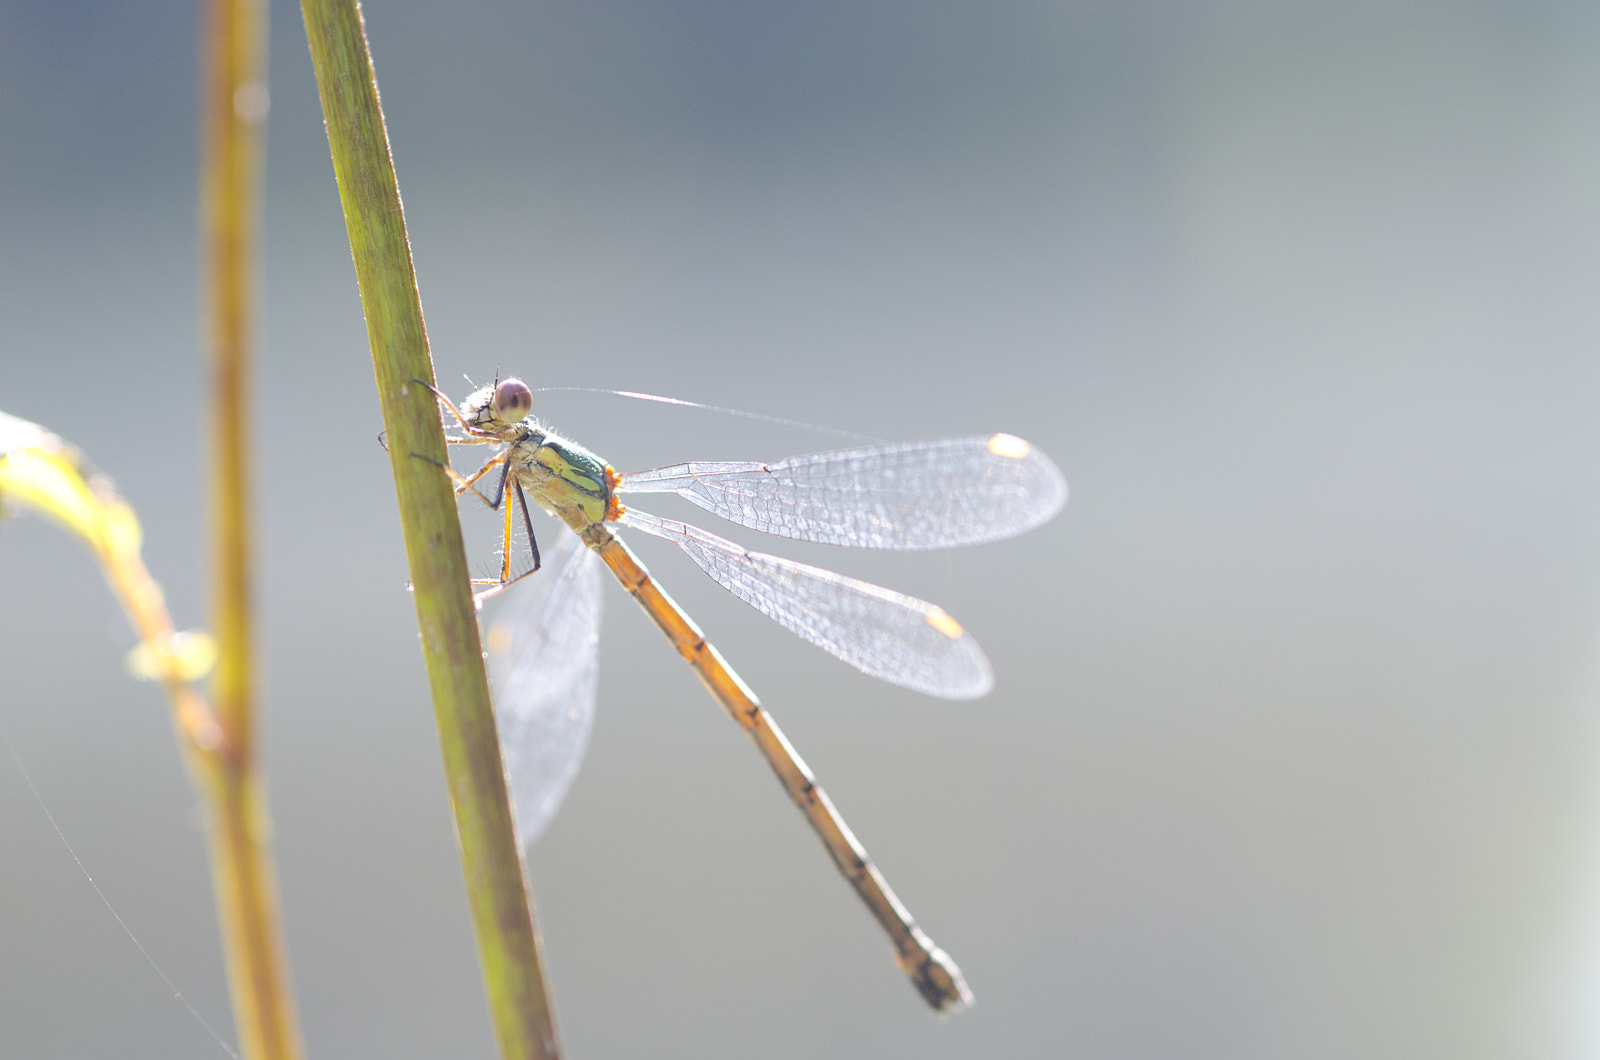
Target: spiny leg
<point>464,485</point>
<point>519,500</point>
<point>527,524</point>
<point>479,435</point>
<point>505,541</point>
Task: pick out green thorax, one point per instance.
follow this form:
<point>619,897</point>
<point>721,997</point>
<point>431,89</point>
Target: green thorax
<point>565,479</point>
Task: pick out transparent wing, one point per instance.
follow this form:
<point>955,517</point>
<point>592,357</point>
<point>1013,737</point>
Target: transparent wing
<point>543,668</point>
<point>911,496</point>
<point>889,635</point>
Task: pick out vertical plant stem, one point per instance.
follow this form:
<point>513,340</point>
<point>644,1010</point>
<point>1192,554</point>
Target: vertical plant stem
<point>501,904</point>
<point>233,108</point>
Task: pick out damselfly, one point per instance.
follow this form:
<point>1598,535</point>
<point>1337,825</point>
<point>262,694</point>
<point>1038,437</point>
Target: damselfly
<point>543,653</point>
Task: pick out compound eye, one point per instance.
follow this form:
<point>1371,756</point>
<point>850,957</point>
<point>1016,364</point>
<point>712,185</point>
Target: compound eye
<point>512,400</point>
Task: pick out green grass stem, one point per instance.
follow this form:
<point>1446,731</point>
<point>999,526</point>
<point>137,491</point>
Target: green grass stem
<point>502,909</point>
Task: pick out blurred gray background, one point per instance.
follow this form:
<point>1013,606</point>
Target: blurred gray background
<point>1294,750</point>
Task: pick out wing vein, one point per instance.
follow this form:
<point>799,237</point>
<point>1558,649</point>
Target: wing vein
<point>909,496</point>
<point>886,634</point>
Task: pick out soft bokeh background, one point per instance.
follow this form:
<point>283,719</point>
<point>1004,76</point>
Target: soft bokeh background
<point>1294,751</point>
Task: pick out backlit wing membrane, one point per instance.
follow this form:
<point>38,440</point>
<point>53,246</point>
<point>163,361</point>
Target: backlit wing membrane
<point>889,635</point>
<point>914,496</point>
<point>544,659</point>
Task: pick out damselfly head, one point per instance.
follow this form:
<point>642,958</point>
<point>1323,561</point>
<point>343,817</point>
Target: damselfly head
<point>495,408</point>
<point>512,400</point>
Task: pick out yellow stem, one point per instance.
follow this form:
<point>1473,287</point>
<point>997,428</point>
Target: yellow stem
<point>233,107</point>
